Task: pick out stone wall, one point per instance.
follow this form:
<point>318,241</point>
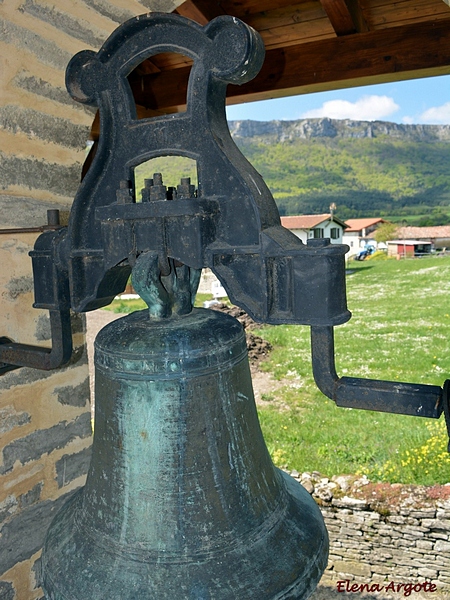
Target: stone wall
<point>45,431</point>
<point>382,533</point>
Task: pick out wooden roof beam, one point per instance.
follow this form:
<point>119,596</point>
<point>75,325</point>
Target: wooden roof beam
<point>339,16</point>
<point>357,16</point>
<point>405,52</point>
<point>201,11</point>
<point>345,16</point>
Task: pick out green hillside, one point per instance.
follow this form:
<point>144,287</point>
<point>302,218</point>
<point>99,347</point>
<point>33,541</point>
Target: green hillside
<point>381,169</point>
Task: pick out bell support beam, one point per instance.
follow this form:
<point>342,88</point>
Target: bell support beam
<point>382,56</point>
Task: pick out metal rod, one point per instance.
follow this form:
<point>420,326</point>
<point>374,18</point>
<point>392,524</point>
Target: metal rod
<point>38,229</point>
<point>14,355</point>
<point>369,394</point>
<point>52,224</point>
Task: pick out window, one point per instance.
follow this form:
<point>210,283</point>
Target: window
<point>318,232</point>
<point>334,233</point>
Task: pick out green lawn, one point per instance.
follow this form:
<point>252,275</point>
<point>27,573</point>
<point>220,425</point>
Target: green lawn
<point>399,331</point>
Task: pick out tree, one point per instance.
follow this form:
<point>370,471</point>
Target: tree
<point>385,232</point>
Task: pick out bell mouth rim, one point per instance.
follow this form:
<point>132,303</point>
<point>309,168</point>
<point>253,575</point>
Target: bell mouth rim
<point>307,554</point>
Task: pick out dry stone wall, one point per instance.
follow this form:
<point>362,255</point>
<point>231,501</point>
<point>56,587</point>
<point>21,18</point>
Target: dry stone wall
<point>384,534</point>
<point>45,430</point>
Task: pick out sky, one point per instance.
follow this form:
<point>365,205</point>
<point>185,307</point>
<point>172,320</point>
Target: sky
<point>415,101</point>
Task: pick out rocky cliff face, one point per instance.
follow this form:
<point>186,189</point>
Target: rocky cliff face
<point>281,131</point>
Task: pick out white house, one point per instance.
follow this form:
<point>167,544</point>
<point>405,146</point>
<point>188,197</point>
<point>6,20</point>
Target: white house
<point>306,227</point>
<point>360,232</point>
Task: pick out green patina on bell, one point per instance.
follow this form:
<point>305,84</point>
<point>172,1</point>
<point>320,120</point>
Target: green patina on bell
<point>182,500</point>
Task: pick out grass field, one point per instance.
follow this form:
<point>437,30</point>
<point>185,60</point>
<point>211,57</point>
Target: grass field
<point>399,331</point>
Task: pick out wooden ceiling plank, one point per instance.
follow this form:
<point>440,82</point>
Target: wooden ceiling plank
<point>339,15</point>
<point>201,11</point>
<point>377,56</point>
<point>170,60</point>
<point>399,4</point>
<point>405,52</point>
<point>299,13</point>
<point>401,13</point>
<point>240,8</point>
<point>297,34</point>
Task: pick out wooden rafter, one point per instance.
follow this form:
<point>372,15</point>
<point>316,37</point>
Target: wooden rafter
<point>201,11</point>
<point>339,15</point>
<point>356,13</point>
<point>405,52</point>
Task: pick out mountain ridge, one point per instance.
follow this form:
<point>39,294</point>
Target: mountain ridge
<point>282,131</point>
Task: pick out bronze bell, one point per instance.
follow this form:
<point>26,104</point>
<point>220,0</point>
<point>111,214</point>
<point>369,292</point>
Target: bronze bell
<point>182,500</point>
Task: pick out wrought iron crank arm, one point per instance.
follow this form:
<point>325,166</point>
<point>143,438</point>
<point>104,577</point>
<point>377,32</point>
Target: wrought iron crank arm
<point>14,355</point>
<point>414,399</point>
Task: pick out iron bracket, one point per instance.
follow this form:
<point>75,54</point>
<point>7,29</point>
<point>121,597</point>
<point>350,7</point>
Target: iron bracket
<point>414,399</point>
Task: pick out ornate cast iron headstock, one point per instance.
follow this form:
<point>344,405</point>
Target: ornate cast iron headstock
<point>230,225</point>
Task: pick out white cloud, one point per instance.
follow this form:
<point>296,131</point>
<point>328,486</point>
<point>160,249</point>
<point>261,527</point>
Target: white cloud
<point>437,114</point>
<point>367,108</point>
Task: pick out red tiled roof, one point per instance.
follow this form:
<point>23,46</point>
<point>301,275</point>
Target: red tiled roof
<point>303,221</point>
<point>440,231</point>
<point>359,224</point>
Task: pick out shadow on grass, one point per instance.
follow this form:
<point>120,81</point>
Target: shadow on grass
<point>355,270</point>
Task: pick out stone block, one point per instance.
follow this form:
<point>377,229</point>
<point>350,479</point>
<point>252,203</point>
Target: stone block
<point>43,441</point>
<point>45,50</point>
<point>424,544</point>
<point>356,519</point>
<point>71,466</point>
<point>441,546</point>
<point>346,531</point>
<point>39,174</point>
<point>348,502</point>
<point>77,395</point>
<point>428,573</point>
<point>8,507</point>
<point>425,513</point>
<point>43,126</point>
<point>438,535</point>
<point>109,10</point>
<point>10,419</point>
<point>23,535</point>
<point>396,519</point>
<point>76,28</point>
<point>439,524</point>
<point>7,591</point>
<point>353,567</point>
<point>32,496</point>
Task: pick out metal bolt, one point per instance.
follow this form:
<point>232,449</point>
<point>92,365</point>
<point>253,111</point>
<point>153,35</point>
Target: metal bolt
<point>124,194</point>
<point>185,189</point>
<point>158,190</point>
<point>53,216</point>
